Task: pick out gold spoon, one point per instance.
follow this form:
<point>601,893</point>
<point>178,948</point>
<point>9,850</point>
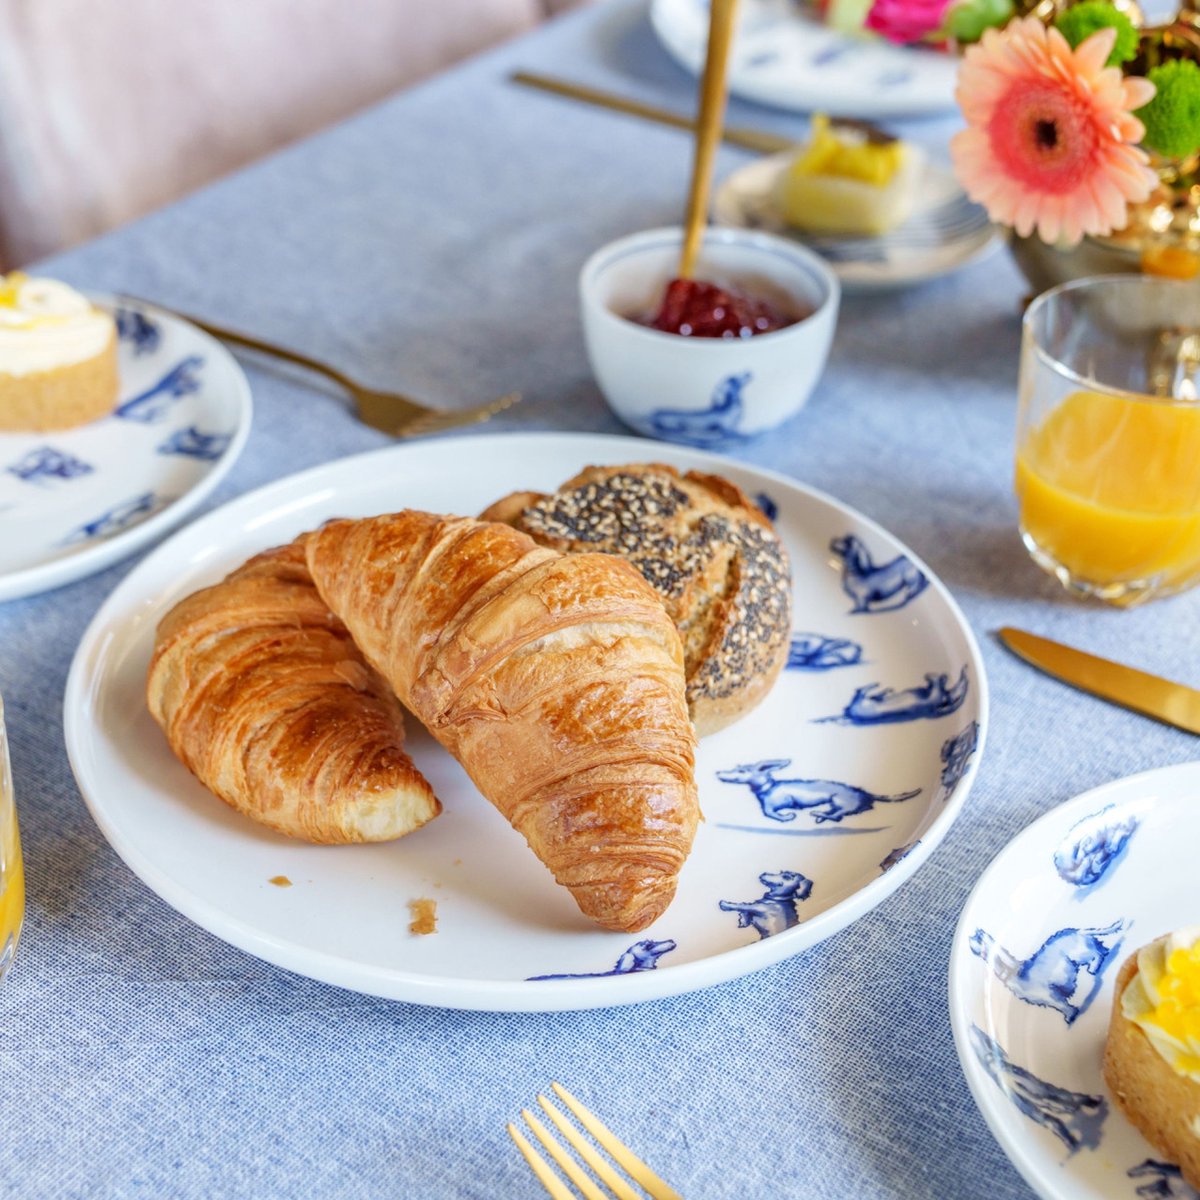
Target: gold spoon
<point>708,129</point>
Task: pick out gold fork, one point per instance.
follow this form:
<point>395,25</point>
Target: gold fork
<point>617,1150</point>
<point>391,412</point>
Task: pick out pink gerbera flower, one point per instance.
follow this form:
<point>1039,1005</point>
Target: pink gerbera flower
<point>1050,142</point>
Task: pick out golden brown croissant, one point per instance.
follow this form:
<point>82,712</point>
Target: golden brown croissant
<point>265,698</point>
<point>556,681</point>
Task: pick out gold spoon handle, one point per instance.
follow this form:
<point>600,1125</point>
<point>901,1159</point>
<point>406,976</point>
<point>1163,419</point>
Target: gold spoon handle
<point>708,129</point>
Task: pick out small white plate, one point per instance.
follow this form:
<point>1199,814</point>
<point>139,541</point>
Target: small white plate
<point>897,767</point>
<point>77,501</point>
<point>1040,942</point>
<point>945,233</point>
<point>785,58</point>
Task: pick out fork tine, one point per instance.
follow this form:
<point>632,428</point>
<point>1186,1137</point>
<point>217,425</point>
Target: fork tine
<point>657,1187</point>
<point>440,420</point>
<point>540,1167</point>
<point>614,1182</point>
<point>569,1166</point>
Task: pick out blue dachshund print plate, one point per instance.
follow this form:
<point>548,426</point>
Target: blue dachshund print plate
<point>76,501</point>
<point>809,824</point>
<point>1032,968</point>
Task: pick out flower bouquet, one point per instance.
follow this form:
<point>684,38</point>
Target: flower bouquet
<point>1083,124</point>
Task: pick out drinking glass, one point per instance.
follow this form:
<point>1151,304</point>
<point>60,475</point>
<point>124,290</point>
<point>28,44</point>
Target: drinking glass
<point>1108,436</point>
<point>12,873</point>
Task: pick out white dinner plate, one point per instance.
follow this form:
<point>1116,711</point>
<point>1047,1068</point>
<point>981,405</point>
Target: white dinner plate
<point>76,501</point>
<point>945,233</point>
<point>1040,942</point>
<point>860,786</point>
<point>783,57</point>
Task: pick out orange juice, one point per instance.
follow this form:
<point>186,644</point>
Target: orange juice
<point>1109,488</point>
<point>12,883</point>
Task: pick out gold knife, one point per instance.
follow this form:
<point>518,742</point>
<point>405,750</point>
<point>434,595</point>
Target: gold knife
<point>750,139</point>
<point>1166,701</point>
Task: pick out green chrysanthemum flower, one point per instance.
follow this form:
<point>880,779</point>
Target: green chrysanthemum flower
<point>1079,22</point>
<point>1172,118</point>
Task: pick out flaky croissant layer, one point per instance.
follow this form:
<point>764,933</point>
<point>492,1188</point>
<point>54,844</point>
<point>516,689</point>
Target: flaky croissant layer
<point>264,697</point>
<point>557,681</point>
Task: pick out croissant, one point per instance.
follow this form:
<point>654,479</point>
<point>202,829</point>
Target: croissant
<point>555,680</point>
<point>265,698</point>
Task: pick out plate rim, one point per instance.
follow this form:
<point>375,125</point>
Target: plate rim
<point>987,1099</point>
<point>90,560</point>
<point>770,97</point>
<point>852,282</point>
<point>127,602</point>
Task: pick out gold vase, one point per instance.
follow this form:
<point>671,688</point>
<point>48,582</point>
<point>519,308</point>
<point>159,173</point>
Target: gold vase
<point>1162,236</point>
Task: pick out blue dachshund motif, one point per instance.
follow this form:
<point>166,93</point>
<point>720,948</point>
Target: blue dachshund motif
<point>775,910</point>
<point>191,443</point>
<point>1164,1181</point>
<point>119,517</point>
<point>704,427</point>
<point>1075,1118</point>
<point>155,402</point>
<point>898,855</point>
<point>826,799</point>
<point>641,956</point>
<point>45,464</point>
<point>766,505</point>
<point>957,753</point>
<point>1092,848</point>
<point>875,705</point>
<point>813,652</point>
<point>137,328</point>
<point>1050,976</point>
<point>875,588</point>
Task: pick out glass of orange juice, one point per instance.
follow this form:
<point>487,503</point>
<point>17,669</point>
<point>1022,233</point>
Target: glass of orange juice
<point>12,874</point>
<point>1108,436</point>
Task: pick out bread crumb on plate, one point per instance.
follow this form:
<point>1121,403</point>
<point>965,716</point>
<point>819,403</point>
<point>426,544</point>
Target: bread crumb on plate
<point>424,913</point>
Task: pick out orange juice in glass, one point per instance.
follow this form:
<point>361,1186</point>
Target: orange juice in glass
<point>12,874</point>
<point>1108,436</point>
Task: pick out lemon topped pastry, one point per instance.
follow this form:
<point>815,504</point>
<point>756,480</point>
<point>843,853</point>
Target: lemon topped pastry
<point>1152,1056</point>
<point>848,180</point>
<point>58,356</point>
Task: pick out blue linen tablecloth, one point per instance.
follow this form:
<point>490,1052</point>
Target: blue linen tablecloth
<point>432,243</point>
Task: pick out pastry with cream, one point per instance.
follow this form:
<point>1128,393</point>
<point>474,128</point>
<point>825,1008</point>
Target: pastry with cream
<point>1152,1056</point>
<point>58,356</point>
<point>848,180</point>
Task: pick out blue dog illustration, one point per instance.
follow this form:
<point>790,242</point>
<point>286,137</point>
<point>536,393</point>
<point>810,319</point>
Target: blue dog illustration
<point>135,327</point>
<point>813,652</point>
<point>46,464</point>
<point>1092,848</point>
<point>191,443</point>
<point>1050,976</point>
<point>155,402</point>
<point>1164,1181</point>
<point>119,517</point>
<point>826,799</point>
<point>876,588</point>
<point>705,426</point>
<point>767,506</point>
<point>875,705</point>
<point>897,855</point>
<point>1075,1118</point>
<point>775,910</point>
<point>956,756</point>
<point>641,956</point>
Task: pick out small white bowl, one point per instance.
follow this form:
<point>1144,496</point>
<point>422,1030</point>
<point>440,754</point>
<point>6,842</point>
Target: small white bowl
<point>705,391</point>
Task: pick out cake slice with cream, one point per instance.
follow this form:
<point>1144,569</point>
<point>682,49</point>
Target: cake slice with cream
<point>849,180</point>
<point>58,356</point>
<point>1152,1056</point>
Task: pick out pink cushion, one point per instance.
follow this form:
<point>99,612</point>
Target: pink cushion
<point>110,109</point>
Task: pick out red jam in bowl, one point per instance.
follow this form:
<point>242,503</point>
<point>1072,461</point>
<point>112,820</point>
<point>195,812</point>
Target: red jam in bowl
<point>696,308</point>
